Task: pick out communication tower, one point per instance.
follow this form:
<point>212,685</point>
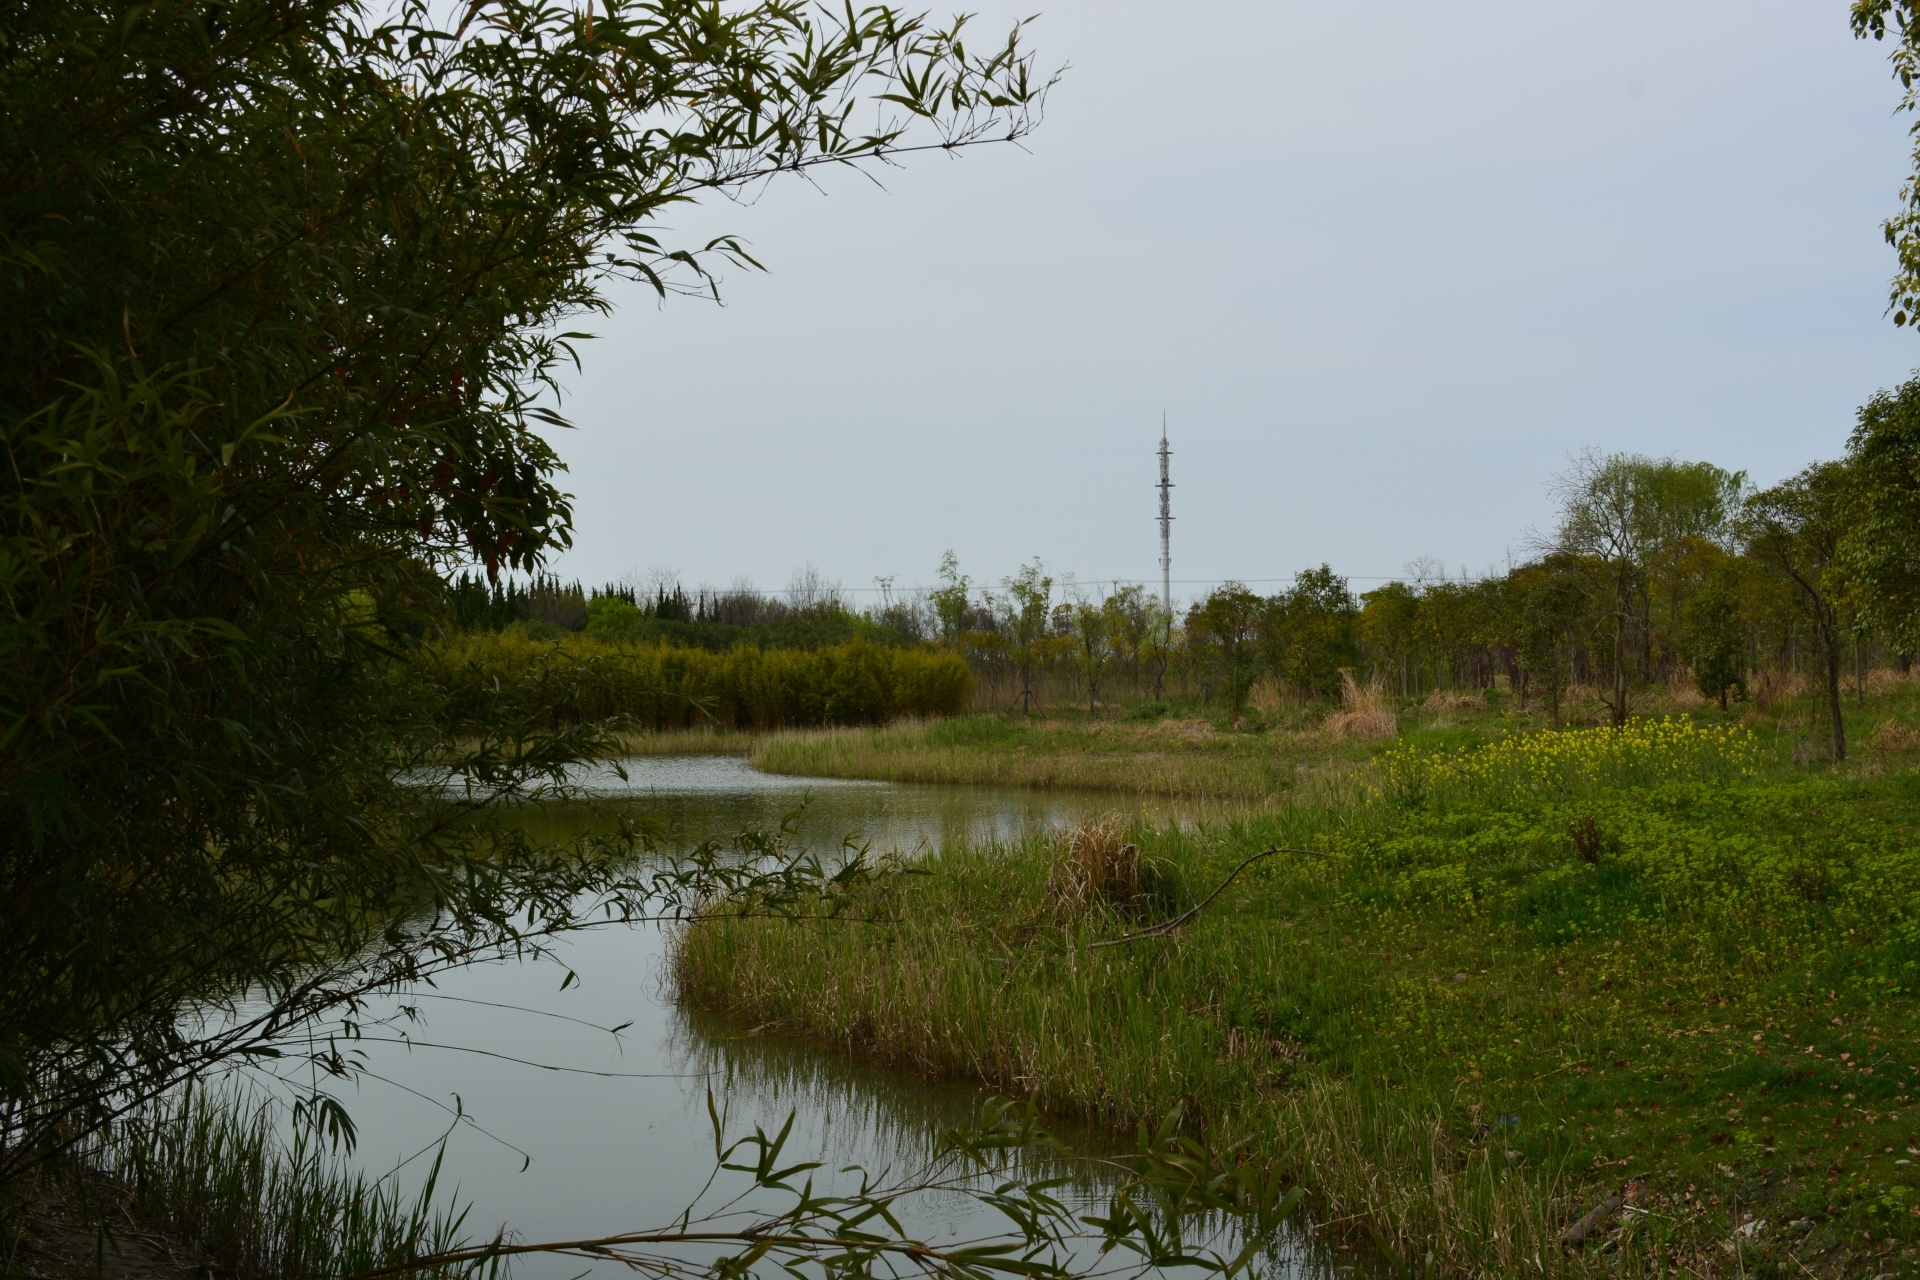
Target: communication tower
<point>1166,522</point>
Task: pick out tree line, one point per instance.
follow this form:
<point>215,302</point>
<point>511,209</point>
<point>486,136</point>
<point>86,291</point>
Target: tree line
<point>1656,571</point>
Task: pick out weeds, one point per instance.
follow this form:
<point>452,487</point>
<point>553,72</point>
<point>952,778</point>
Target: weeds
<point>1363,712</point>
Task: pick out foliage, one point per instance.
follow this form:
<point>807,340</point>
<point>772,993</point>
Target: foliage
<point>1228,626</point>
<point>1094,623</point>
<point>287,282</point>
<point>1870,18</point>
<point>1620,514</point>
<point>1796,529</point>
<point>1879,553</point>
<point>656,686</point>
<point>1551,607</point>
<point>949,599</point>
<point>210,1170</point>
<point>1716,639</point>
<point>1025,617</point>
<point>1318,636</point>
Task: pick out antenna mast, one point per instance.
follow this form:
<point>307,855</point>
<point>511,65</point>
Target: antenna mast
<point>1166,521</point>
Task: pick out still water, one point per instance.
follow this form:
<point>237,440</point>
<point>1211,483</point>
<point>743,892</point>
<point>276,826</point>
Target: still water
<point>555,1128</point>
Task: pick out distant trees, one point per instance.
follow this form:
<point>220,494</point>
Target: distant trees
<point>1025,613</point>
<point>1716,633</point>
<point>1318,632</point>
<point>949,600</point>
<point>1550,607</point>
<point>1094,623</point>
<point>1227,627</point>
<point>1620,514</point>
<point>1796,529</point>
<point>1659,572</point>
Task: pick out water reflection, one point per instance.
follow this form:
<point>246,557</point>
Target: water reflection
<point>701,796</point>
<point>565,1130</point>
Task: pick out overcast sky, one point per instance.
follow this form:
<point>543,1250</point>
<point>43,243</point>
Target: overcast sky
<point>1384,268</point>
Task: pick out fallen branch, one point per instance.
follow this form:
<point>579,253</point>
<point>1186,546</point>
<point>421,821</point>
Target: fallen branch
<point>1166,927</point>
<point>1600,1215</point>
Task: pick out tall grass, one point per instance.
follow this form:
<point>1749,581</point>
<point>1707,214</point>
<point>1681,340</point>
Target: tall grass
<point>214,1174</point>
<point>583,679</point>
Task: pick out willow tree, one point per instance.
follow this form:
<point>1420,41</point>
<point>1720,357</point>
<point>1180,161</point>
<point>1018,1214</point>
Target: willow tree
<point>287,283</point>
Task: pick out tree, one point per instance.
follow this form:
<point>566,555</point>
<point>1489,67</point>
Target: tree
<point>287,286</point>
<point>1880,551</point>
<point>1228,625</point>
<point>950,600</point>
<point>1552,606</point>
<point>1618,513</point>
<point>1389,616</point>
<point>1320,632</point>
<point>1028,607</point>
<point>1870,19</point>
<point>1716,636</point>
<point>1796,528</point>
<point>1095,624</point>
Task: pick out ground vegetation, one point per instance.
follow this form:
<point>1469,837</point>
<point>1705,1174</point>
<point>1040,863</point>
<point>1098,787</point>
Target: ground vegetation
<point>1464,990</point>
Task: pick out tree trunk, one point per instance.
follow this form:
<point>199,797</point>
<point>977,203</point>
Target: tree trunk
<point>1619,708</point>
<point>1831,643</point>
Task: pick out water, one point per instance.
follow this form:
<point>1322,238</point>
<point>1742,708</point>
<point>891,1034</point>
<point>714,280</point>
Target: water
<point>556,1128</point>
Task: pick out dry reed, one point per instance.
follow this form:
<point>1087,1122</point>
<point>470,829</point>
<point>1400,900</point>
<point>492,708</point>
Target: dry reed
<point>1095,870</point>
<point>1884,682</point>
<point>1894,738</point>
<point>1444,700</point>
<point>1363,711</point>
<point>1682,693</point>
<point>1775,689</point>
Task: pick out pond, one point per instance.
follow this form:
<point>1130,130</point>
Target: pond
<point>554,1128</point>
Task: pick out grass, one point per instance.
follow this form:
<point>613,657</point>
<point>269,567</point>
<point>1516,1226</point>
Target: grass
<point>1189,759</point>
<point>1281,753</point>
<point>704,741</point>
<point>1532,967</point>
<point>205,1183</point>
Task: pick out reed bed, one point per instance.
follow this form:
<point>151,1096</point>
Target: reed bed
<point>660,687</point>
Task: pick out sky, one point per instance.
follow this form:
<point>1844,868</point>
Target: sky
<point>1384,269</point>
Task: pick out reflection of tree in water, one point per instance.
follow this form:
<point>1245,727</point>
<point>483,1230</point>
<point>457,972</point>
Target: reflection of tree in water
<point>854,1112</point>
